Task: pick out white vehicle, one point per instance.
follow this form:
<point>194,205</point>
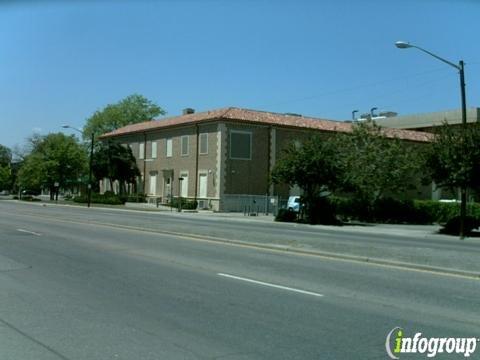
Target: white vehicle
<point>293,203</point>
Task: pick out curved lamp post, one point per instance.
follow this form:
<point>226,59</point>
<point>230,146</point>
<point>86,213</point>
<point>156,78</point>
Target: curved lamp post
<point>460,68</point>
<point>89,185</point>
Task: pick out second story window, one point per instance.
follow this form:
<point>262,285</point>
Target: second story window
<point>168,149</point>
<point>154,149</point>
<point>203,139</point>
<point>240,145</point>
<point>141,151</point>
<point>185,145</point>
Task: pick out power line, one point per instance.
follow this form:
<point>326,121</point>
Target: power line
<point>359,87</point>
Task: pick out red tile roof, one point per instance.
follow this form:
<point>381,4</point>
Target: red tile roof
<point>258,117</point>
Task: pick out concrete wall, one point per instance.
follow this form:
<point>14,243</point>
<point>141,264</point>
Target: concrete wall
<point>225,175</point>
<point>248,176</point>
<point>428,121</point>
<point>179,163</point>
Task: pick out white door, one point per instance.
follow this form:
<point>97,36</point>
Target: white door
<point>202,181</point>
<point>167,188</point>
<point>153,183</point>
<point>184,192</point>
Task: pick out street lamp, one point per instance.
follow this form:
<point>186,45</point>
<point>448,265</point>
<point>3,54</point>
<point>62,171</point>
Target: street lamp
<point>89,186</point>
<point>460,68</point>
<point>353,114</point>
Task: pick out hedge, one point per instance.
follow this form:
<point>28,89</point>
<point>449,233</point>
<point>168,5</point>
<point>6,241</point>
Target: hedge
<point>401,211</point>
<point>107,198</point>
<point>185,203</point>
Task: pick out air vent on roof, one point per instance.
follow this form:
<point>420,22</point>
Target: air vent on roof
<point>293,114</point>
<point>187,111</point>
<point>388,113</point>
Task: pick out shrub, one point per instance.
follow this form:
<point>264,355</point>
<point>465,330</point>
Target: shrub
<point>322,211</point>
<point>29,198</point>
<point>452,227</point>
<point>185,203</point>
<point>109,198</point>
<point>135,198</point>
<point>389,210</point>
<point>436,211</point>
<point>286,215</point>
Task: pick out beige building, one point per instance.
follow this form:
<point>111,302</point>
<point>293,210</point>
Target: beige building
<point>429,121</point>
<point>218,157</point>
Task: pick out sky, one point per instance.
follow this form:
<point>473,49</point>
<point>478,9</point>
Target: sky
<point>60,61</point>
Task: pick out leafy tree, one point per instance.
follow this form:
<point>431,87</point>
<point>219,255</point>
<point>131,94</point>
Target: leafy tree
<point>5,156</point>
<point>115,162</point>
<point>364,162</point>
<point>5,176</point>
<point>375,166</point>
<point>131,110</point>
<point>31,174</point>
<point>314,167</point>
<point>55,158</point>
<point>453,161</point>
<point>453,158</point>
<point>5,168</point>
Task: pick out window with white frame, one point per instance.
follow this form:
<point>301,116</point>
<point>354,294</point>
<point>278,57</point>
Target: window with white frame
<point>168,149</point>
<point>184,145</point>
<point>154,149</point>
<point>203,148</point>
<point>240,145</point>
<point>141,151</point>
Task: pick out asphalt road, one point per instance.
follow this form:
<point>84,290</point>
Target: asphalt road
<point>74,289</point>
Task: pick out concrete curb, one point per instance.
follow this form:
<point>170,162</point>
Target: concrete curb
<point>285,248</point>
<point>328,255</point>
<point>340,256</point>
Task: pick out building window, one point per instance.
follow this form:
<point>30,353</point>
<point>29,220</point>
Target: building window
<point>141,151</point>
<point>240,145</point>
<point>168,149</point>
<point>185,145</point>
<point>154,149</point>
<point>203,139</point>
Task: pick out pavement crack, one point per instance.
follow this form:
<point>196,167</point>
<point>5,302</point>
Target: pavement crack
<point>16,269</point>
<point>31,338</point>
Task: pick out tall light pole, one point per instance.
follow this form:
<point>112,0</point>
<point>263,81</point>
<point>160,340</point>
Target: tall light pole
<point>460,68</point>
<point>89,185</point>
<point>353,114</point>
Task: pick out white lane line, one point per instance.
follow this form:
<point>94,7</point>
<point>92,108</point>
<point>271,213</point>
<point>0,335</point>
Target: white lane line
<point>29,232</point>
<point>270,285</point>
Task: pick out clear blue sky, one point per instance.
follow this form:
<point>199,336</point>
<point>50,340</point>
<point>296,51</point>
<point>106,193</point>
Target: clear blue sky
<point>62,60</point>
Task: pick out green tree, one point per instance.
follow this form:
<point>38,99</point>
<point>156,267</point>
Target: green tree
<point>115,162</point>
<point>5,168</point>
<point>5,156</point>
<point>375,166</point>
<point>55,158</point>
<point>5,178</point>
<point>453,161</point>
<point>453,158</point>
<point>315,168</point>
<point>131,110</point>
<point>31,174</point>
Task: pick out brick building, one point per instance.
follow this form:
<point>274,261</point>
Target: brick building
<point>216,156</point>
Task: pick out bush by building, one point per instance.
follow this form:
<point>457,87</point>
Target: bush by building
<point>286,215</point>
<point>185,204</point>
<point>109,198</point>
<point>452,227</point>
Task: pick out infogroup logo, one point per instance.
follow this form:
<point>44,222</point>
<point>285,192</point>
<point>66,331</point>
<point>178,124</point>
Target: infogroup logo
<point>397,343</point>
